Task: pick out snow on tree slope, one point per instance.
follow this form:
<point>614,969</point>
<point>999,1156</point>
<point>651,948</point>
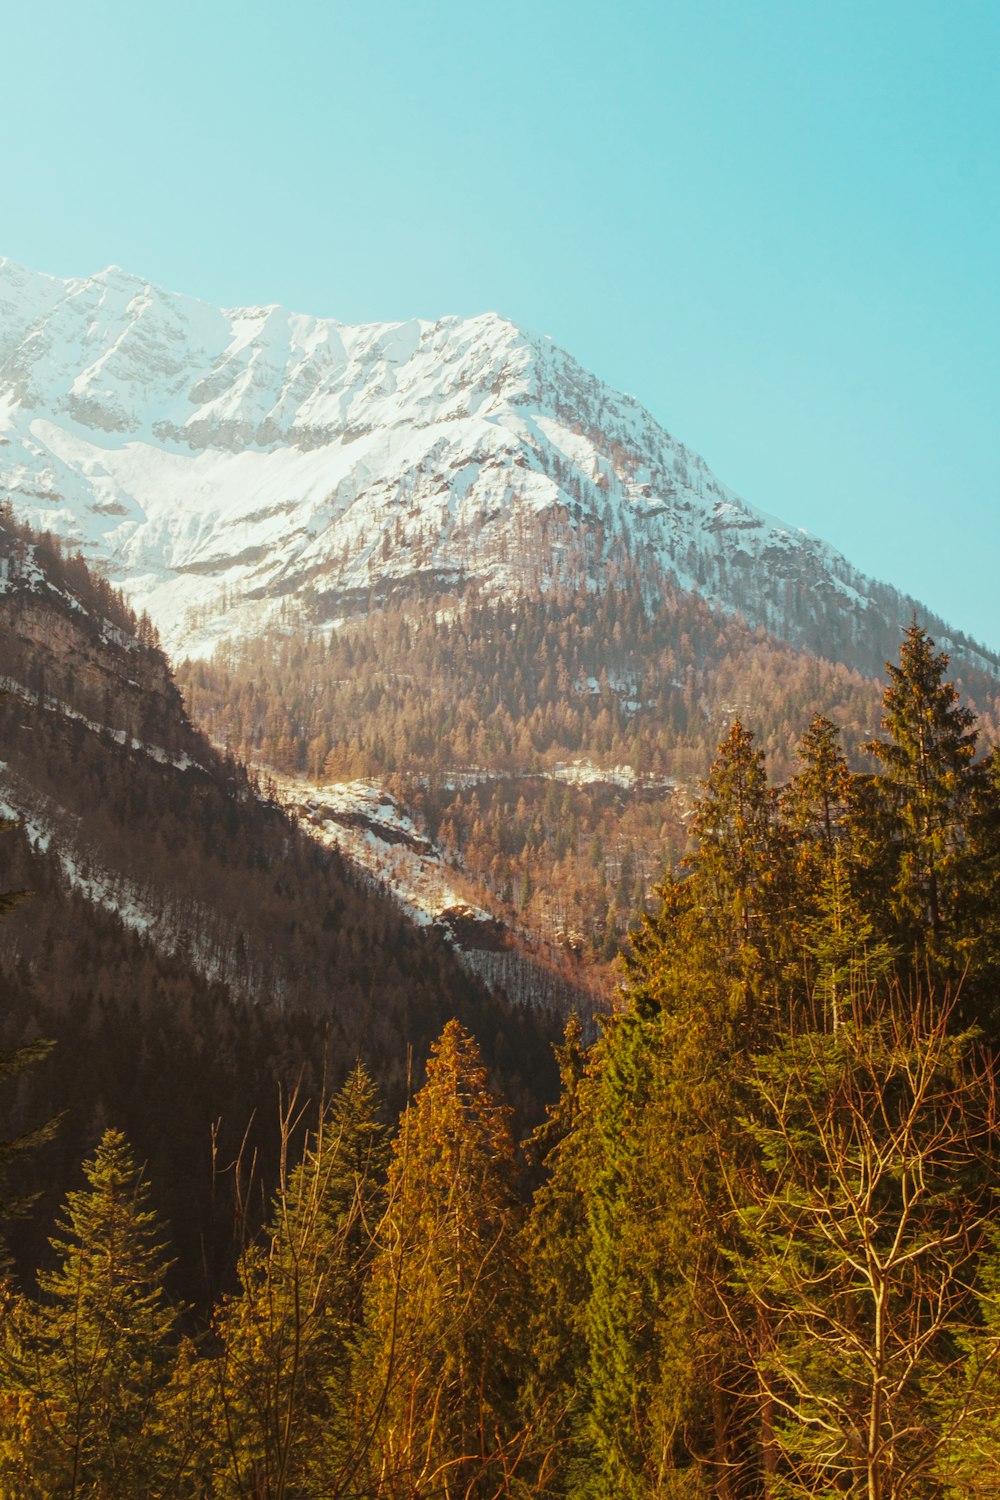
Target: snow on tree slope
<point>225,465</point>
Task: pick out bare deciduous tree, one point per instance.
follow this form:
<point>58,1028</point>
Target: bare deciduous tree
<point>861,1234</point>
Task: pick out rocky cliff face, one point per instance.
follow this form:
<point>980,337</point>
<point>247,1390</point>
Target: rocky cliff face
<point>227,465</point>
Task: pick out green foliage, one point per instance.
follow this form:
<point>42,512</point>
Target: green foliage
<point>741,879</point>
<point>88,1360</point>
<point>556,1247</point>
<point>834,949</point>
<point>718,1276</point>
<point>816,799</point>
<point>642,1321</point>
<point>760,1262</point>
<point>667,1373</point>
<point>925,788</point>
<point>278,1379</point>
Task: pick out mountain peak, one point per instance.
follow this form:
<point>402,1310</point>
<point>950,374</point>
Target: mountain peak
<point>225,465</point>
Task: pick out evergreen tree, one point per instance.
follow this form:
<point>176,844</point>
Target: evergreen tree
<point>834,943</point>
<point>815,802</point>
<point>12,1065</point>
<point>980,901</point>
<point>669,1392</point>
<point>649,1342</point>
<point>925,791</point>
<point>970,1462</point>
<point>435,1370</point>
<point>740,878</point>
<point>278,1382</point>
<point>90,1358</point>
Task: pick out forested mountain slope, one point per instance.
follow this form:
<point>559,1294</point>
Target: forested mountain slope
<point>185,945</point>
<point>549,746</point>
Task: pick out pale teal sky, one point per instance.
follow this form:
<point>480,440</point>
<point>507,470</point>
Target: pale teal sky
<point>775,223</point>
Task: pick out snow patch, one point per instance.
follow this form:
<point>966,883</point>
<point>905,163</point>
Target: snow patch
<point>372,831</point>
<point>585,772</point>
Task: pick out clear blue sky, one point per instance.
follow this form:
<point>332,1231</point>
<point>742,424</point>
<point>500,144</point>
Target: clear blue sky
<point>776,222</point>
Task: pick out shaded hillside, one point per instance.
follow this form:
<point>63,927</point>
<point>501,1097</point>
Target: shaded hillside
<point>186,946</point>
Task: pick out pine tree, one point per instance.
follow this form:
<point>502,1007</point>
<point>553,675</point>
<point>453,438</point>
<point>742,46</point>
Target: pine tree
<point>925,789</point>
<point>434,1371</point>
<point>279,1379</point>
<point>740,871</point>
<point>91,1356</point>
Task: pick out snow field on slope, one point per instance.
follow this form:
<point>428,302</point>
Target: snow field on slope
<point>270,451</point>
<point>416,877</point>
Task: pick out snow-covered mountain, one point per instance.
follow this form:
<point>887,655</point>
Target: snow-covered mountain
<point>225,465</point>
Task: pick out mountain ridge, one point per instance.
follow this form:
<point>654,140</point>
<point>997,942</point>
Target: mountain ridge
<point>228,467</point>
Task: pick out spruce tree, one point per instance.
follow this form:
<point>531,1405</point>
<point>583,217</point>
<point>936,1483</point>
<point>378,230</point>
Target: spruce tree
<point>740,874</point>
<point>925,790</point>
<point>90,1357</point>
<point>648,1343</point>
<point>669,1390</point>
<point>277,1385</point>
<point>834,947</point>
<point>815,804</point>
<point>980,904</point>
